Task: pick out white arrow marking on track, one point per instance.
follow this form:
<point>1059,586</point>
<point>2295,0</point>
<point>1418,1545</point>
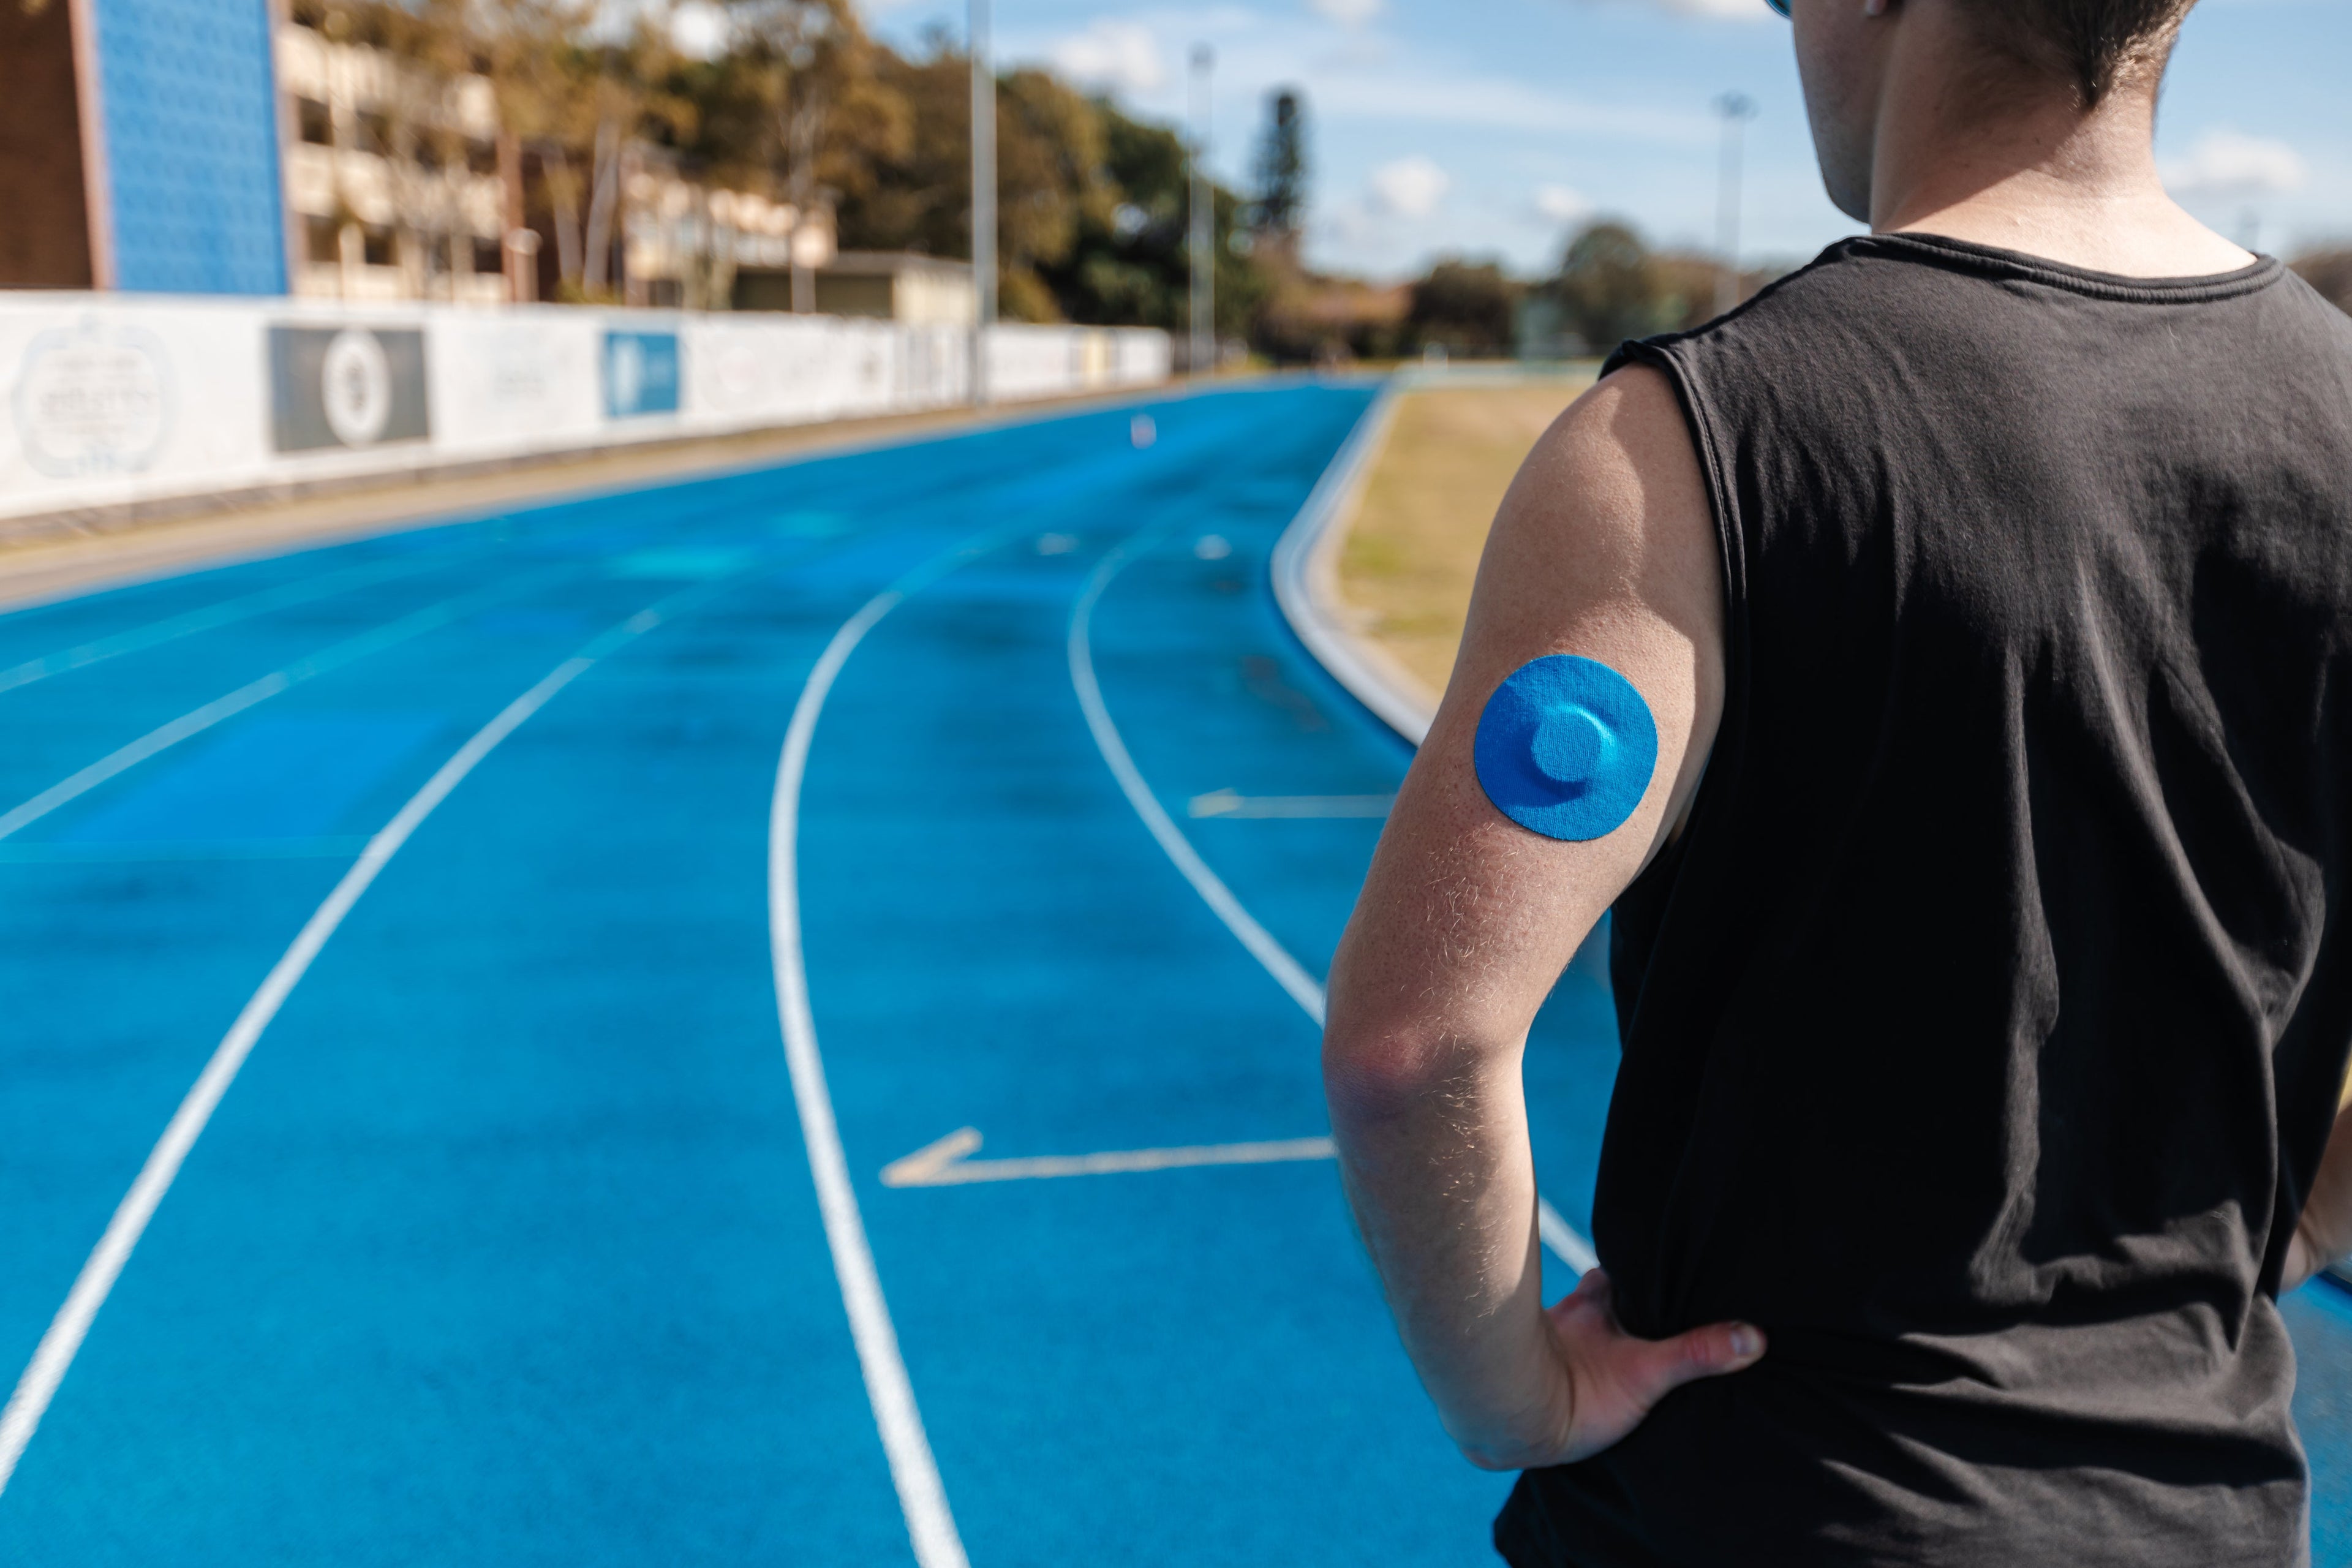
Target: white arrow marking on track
<point>944,1164</point>
<point>1232,803</point>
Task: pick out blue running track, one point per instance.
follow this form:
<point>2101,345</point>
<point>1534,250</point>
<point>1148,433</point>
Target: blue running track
<point>394,977</point>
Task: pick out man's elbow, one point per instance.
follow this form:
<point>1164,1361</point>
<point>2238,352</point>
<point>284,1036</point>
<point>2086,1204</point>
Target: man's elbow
<point>1371,1076</point>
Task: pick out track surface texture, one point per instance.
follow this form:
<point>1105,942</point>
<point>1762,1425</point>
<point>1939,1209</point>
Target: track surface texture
<point>431,877</point>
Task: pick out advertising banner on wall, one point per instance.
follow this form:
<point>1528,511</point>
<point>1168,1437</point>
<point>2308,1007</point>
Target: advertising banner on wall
<point>126,399</point>
<point>93,398</point>
<point>640,374</point>
<point>507,382</point>
<point>346,387</point>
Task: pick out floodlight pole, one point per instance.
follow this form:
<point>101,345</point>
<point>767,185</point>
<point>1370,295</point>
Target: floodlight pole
<point>983,195</point>
<point>1736,109</point>
<point>1201,359</point>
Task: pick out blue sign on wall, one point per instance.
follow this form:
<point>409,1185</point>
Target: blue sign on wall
<point>640,374</point>
<point>190,108</point>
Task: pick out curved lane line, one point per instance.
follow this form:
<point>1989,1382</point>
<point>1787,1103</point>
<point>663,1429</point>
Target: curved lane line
<point>1558,1234</point>
<point>914,1471</point>
<point>59,1346</point>
<point>1286,970</point>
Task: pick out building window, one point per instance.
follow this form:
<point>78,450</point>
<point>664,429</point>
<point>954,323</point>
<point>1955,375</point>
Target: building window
<point>375,244</point>
<point>481,157</point>
<point>317,121</point>
<point>375,131</point>
<point>322,240</point>
<point>489,257</point>
<point>428,156</point>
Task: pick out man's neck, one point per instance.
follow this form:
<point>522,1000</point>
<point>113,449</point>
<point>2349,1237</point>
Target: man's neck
<point>2037,174</point>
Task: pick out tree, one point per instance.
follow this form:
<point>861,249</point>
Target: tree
<point>1463,307</point>
<point>1607,286</point>
<point>1129,264</point>
<point>1281,170</point>
<point>2330,272</point>
<point>1090,205</point>
<point>795,105</point>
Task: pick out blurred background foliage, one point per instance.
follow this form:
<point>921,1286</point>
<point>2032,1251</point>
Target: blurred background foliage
<point>795,98</point>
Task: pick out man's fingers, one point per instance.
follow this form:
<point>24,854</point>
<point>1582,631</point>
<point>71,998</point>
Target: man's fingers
<point>1709,1351</point>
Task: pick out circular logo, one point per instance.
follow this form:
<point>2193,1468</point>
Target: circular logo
<point>93,400</point>
<point>355,387</point>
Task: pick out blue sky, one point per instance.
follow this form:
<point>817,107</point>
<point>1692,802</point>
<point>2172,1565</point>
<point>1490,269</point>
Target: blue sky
<point>1488,127</point>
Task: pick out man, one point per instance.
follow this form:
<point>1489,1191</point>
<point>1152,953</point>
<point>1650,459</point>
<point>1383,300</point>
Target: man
<point>1979,931</point>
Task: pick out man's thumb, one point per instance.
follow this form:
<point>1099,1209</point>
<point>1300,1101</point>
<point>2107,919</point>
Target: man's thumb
<point>1709,1351</point>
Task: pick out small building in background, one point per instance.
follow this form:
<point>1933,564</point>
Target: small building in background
<point>896,285</point>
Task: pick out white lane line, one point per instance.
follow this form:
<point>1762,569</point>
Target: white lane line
<point>1558,1234</point>
<point>922,1497</point>
<point>336,846</point>
<point>56,1351</point>
<point>1232,803</point>
<point>195,722</point>
<point>1269,952</point>
<point>208,618</point>
<point>1562,1239</point>
<point>945,1163</point>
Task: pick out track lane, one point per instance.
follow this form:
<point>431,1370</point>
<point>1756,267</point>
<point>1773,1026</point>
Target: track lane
<point>340,1213</point>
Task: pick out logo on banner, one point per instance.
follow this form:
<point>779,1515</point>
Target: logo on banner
<point>347,386</point>
<point>640,374</point>
<point>355,386</point>
<point>93,399</point>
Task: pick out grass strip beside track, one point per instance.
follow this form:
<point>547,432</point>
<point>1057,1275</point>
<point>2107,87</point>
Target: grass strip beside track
<point>1411,551</point>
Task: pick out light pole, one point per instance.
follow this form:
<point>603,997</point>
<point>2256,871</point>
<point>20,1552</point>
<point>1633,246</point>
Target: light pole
<point>1736,109</point>
<point>983,195</point>
<point>1203,310</point>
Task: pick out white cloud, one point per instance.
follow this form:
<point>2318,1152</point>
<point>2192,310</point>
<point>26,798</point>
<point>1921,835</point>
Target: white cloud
<point>698,29</point>
<point>1558,203</point>
<point>1410,187</point>
<point>1113,54</point>
<point>1348,13</point>
<point>1720,10</point>
<point>1735,10</point>
<point>2225,163</point>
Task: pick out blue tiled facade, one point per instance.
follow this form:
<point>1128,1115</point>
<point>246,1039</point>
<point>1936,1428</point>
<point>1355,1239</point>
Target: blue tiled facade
<point>192,145</point>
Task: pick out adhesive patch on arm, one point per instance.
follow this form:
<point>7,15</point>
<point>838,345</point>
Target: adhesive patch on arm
<point>1566,747</point>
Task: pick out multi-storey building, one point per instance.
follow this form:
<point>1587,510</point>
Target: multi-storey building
<point>393,182</point>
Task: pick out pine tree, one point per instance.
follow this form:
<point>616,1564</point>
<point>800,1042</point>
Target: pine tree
<point>1282,168</point>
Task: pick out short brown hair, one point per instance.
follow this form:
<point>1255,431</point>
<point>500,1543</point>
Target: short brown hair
<point>2096,43</point>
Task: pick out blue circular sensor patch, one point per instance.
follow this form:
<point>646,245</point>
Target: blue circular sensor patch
<point>1566,747</point>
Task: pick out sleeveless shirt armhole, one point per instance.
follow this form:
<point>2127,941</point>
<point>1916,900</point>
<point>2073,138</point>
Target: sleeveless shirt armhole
<point>1731,553</point>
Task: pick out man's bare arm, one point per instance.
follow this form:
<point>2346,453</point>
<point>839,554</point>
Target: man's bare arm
<point>1604,548</point>
<point>2323,1234</point>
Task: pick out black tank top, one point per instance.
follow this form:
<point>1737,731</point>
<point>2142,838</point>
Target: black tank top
<point>1983,1032</point>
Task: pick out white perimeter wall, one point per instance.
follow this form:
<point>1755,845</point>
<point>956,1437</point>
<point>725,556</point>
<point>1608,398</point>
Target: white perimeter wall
<point>122,398</point>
